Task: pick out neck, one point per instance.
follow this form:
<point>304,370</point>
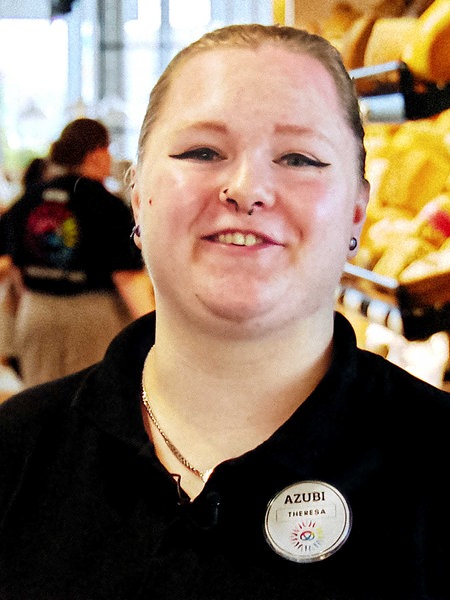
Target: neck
<point>216,399</point>
<point>216,385</point>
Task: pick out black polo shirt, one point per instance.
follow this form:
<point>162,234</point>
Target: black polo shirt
<point>68,236</point>
<point>87,512</point>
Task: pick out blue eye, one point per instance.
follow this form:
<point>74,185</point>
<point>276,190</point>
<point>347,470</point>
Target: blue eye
<point>201,154</point>
<point>300,160</point>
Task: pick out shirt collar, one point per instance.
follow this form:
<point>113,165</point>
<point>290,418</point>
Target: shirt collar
<point>111,393</point>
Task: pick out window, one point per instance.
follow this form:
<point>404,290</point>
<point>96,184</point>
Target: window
<point>161,29</point>
<point>50,70</point>
<point>33,85</point>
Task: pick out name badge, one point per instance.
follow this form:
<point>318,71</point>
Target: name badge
<point>307,521</point>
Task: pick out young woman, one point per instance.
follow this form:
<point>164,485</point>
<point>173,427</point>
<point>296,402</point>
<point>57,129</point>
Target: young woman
<point>235,443</point>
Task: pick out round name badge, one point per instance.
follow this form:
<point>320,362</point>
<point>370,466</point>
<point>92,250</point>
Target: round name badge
<point>307,521</point>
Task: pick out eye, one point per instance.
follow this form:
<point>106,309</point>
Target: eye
<point>300,160</point>
<point>200,154</point>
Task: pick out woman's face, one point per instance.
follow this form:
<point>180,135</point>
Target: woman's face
<point>266,125</point>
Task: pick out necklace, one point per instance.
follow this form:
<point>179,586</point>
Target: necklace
<point>203,475</point>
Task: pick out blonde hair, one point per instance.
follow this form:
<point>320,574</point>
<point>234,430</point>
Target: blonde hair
<point>252,36</point>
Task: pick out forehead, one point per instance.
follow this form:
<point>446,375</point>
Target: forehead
<point>231,75</point>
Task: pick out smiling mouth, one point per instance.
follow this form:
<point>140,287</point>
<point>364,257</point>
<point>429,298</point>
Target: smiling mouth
<point>239,239</point>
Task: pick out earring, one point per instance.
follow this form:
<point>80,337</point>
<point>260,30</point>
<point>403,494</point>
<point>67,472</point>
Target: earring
<point>135,231</point>
<point>353,243</point>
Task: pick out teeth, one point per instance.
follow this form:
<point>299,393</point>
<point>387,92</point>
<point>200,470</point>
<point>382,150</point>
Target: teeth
<point>239,239</point>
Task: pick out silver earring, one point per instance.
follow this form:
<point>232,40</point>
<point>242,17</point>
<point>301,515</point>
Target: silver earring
<point>353,243</point>
<point>135,231</point>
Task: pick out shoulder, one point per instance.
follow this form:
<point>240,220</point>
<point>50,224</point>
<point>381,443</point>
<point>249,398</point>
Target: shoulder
<point>37,194</point>
<point>28,419</point>
<point>84,185</point>
<point>35,405</point>
<point>401,395</point>
<point>27,414</point>
<point>100,198</point>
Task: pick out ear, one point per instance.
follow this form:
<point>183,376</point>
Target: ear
<point>135,200</point>
<point>130,177</point>
<point>359,212</point>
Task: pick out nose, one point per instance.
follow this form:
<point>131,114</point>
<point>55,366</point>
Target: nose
<point>248,188</point>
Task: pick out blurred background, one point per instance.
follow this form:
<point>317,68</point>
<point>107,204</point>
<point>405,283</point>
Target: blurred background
<point>62,59</point>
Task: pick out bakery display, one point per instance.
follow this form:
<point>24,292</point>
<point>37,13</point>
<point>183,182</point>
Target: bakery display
<point>398,52</point>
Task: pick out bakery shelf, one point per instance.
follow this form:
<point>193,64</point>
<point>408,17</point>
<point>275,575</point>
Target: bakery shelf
<point>415,310</point>
<point>389,92</point>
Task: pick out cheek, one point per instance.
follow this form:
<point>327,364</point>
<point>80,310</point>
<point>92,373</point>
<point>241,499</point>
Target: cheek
<point>314,204</point>
<point>175,188</point>
<point>323,213</point>
<point>166,212</point>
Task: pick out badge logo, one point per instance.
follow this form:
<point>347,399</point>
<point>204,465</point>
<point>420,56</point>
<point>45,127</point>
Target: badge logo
<point>307,521</point>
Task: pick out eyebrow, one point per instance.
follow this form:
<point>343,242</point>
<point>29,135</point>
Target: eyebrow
<point>281,128</point>
<point>300,130</point>
<point>210,125</point>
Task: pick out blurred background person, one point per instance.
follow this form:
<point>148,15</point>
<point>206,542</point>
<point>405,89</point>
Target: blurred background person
<point>9,380</point>
<point>35,172</point>
<point>82,278</point>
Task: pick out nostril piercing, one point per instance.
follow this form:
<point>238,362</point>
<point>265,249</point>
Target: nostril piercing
<point>234,203</point>
<point>258,203</point>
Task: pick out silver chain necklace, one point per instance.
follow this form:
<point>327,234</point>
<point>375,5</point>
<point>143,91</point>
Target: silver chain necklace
<point>203,475</point>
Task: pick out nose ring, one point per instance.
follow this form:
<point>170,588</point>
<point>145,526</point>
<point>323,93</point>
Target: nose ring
<point>223,197</point>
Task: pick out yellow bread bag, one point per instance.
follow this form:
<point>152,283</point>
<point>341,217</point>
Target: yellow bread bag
<point>353,44</point>
<point>427,53</point>
<point>434,263</point>
<point>388,38</point>
<point>400,254</point>
<point>432,223</point>
<point>412,178</point>
<point>425,133</point>
<point>379,236</point>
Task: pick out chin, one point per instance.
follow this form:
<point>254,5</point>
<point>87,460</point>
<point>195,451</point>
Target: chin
<point>243,318</point>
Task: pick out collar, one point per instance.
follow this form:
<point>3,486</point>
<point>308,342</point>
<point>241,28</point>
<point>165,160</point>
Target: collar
<point>110,394</point>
